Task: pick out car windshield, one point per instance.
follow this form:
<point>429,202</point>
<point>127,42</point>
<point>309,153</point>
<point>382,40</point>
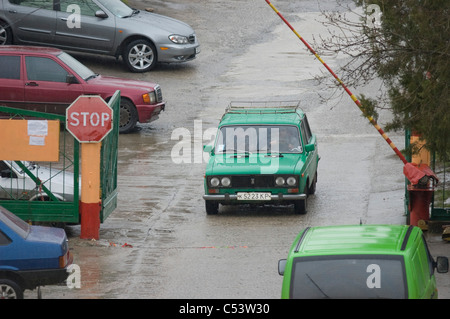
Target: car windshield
<point>117,7</point>
<point>258,138</point>
<point>79,68</point>
<point>355,276</point>
<point>19,226</point>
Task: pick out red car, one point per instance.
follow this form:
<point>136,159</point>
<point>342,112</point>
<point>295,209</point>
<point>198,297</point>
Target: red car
<point>49,80</point>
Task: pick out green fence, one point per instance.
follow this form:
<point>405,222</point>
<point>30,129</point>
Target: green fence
<point>440,206</point>
<point>50,191</point>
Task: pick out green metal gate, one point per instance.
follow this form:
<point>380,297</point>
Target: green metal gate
<point>40,202</point>
<point>109,154</point>
<point>440,206</point>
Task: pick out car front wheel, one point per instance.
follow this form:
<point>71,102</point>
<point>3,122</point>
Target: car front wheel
<point>140,56</point>
<point>212,207</point>
<point>10,290</point>
<point>128,116</point>
<point>300,205</point>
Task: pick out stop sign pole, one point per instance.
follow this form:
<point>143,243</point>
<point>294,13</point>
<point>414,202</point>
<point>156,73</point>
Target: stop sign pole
<point>89,120</point>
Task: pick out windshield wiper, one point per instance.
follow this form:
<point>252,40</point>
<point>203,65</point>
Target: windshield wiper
<point>135,11</point>
<point>91,76</point>
<point>274,154</point>
<point>235,150</point>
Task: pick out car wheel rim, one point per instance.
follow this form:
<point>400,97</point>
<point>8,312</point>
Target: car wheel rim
<point>7,292</point>
<point>3,35</point>
<point>124,117</point>
<point>141,56</point>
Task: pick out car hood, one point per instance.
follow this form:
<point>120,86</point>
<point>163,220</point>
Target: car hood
<point>120,83</point>
<point>172,26</point>
<point>253,164</point>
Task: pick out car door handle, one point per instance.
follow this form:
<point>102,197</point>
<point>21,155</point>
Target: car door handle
<point>12,11</point>
<point>31,84</point>
<point>64,19</point>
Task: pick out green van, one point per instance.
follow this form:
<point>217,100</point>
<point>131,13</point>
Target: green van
<point>264,153</point>
<point>360,261</point>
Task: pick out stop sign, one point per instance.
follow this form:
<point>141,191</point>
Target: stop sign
<point>89,119</point>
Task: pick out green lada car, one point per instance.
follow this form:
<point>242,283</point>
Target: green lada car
<point>360,262</point>
<point>264,153</point>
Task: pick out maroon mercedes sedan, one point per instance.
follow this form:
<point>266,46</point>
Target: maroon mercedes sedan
<point>49,80</point>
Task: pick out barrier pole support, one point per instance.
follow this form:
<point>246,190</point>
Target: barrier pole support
<point>90,191</point>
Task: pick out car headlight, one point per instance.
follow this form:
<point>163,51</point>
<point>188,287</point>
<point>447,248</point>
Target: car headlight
<point>291,181</point>
<point>178,39</point>
<point>214,182</point>
<point>225,181</point>
<point>149,98</point>
<point>279,181</point>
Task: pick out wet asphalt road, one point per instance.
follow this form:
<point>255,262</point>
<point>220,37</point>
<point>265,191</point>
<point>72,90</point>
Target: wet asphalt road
<point>159,243</point>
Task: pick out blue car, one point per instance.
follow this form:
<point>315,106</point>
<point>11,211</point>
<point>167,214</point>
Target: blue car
<point>30,256</point>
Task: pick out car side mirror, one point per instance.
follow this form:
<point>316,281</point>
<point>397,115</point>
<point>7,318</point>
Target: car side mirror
<point>101,14</point>
<point>442,264</point>
<point>310,147</point>
<point>281,266</point>
<point>71,79</point>
<point>207,148</point>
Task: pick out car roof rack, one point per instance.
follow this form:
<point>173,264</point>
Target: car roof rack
<point>263,107</point>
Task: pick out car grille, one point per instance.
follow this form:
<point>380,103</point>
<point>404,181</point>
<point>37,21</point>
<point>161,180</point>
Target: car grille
<point>158,93</point>
<point>252,181</point>
<point>191,38</point>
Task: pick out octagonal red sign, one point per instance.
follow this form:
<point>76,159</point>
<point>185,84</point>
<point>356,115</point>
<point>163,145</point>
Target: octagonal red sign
<point>89,119</point>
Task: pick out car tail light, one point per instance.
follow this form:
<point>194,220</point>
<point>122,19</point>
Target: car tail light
<point>65,260</point>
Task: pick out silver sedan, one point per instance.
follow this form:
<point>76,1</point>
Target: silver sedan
<point>107,27</point>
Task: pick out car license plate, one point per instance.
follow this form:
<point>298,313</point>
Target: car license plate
<point>254,196</point>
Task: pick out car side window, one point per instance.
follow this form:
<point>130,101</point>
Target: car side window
<point>306,130</point>
<point>9,67</point>
<point>5,171</point>
<point>86,7</point>
<point>44,69</point>
<point>42,4</point>
<point>4,240</point>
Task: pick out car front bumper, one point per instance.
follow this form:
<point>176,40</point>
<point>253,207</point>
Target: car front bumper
<point>234,197</point>
<point>177,53</point>
<point>148,113</point>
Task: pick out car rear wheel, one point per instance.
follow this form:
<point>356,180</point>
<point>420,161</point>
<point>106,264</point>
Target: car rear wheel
<point>128,116</point>
<point>140,56</point>
<point>5,34</point>
<point>10,290</point>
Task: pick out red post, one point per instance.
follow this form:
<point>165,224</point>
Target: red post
<point>419,205</point>
<point>420,195</point>
<point>90,204</point>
